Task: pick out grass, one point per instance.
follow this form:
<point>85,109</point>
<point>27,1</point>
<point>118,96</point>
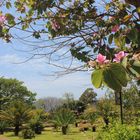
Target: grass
<point>48,134</point>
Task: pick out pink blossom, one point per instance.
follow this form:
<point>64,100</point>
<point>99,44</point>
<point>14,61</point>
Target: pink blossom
<point>115,28</point>
<point>111,18</point>
<point>95,34</point>
<point>119,56</point>
<point>2,19</point>
<point>101,59</point>
<point>55,25</point>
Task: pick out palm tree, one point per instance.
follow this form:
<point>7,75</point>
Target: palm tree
<point>36,123</point>
<point>63,118</point>
<point>17,114</point>
<point>91,115</point>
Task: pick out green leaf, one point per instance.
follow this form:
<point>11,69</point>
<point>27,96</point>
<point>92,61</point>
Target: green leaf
<point>133,35</point>
<point>119,73</point>
<point>110,80</point>
<point>137,69</point>
<point>117,41</point>
<point>115,76</point>
<point>133,72</point>
<point>138,9</point>
<point>25,26</point>
<point>120,41</point>
<point>10,18</point>
<point>110,39</point>
<point>107,7</point>
<point>95,49</point>
<point>136,63</point>
<point>124,62</point>
<point>8,5</point>
<point>96,78</point>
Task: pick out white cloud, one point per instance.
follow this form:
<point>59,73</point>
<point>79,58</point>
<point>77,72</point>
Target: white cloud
<point>18,62</point>
<point>44,85</point>
<point>9,58</point>
<point>73,83</point>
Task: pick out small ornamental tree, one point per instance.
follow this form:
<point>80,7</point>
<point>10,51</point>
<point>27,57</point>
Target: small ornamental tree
<point>64,118</point>
<point>36,122</point>
<point>107,109</point>
<point>91,115</point>
<point>17,114</point>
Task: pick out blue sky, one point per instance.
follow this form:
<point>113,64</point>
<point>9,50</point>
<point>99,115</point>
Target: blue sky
<point>34,73</point>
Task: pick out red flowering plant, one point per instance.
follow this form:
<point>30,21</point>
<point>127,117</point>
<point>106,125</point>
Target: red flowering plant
<point>104,37</point>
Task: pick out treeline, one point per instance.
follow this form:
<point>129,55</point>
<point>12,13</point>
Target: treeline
<point>25,115</point>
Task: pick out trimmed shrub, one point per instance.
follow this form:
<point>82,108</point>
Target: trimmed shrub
<point>28,134</point>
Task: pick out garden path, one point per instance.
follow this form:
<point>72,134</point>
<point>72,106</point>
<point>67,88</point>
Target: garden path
<point>3,138</point>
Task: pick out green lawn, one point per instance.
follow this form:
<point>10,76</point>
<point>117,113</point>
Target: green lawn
<point>73,134</point>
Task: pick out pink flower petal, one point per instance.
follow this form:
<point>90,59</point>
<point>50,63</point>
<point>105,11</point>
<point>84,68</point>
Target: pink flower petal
<point>2,19</point>
<point>106,61</point>
<point>101,59</point>
<point>55,25</point>
<point>116,60</point>
<point>119,56</point>
<point>115,28</point>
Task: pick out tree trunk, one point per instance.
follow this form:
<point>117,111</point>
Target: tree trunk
<point>64,130</point>
<point>16,130</point>
<point>38,129</point>
<point>1,132</point>
<point>106,120</point>
<point>93,128</point>
<point>121,108</point>
<point>76,124</point>
<point>117,98</point>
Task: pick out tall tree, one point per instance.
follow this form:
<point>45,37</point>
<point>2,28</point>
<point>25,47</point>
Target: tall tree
<point>69,101</point>
<point>88,96</point>
<point>13,90</point>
